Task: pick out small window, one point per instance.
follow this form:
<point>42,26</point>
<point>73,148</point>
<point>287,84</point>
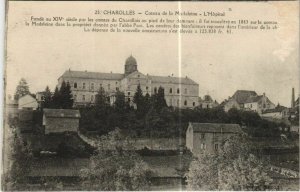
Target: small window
<point>83,85</point>
<point>147,88</point>
<point>92,86</point>
<point>83,97</point>
<point>116,82</point>
<point>185,103</point>
<point>108,86</point>
<point>177,102</point>
<point>100,85</point>
<point>207,106</point>
<point>185,91</point>
<point>203,146</point>
<point>138,76</point>
<point>117,88</point>
<point>128,93</point>
<point>171,90</point>
<point>202,135</point>
<point>75,85</point>
<point>216,147</point>
<point>178,91</point>
<point>128,99</point>
<point>155,90</point>
<point>194,104</point>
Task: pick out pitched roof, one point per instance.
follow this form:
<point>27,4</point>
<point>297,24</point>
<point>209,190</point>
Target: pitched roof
<point>175,80</point>
<point>69,113</point>
<point>254,99</point>
<point>215,128</point>
<point>92,75</point>
<point>242,95</point>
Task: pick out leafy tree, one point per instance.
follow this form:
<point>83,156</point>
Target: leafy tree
<point>22,89</point>
<point>233,168</point>
<point>123,170</point>
<point>20,158</point>
<point>244,173</point>
<point>47,98</point>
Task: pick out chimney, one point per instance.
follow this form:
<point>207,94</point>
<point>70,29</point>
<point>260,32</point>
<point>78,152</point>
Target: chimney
<point>293,98</point>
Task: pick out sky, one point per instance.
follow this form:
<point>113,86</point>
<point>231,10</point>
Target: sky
<point>263,61</point>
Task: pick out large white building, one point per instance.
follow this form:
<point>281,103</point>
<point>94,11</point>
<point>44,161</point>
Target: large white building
<point>179,92</point>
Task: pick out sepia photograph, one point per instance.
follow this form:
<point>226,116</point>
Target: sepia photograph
<point>151,96</point>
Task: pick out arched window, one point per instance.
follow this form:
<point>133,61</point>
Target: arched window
<point>185,102</point>
<point>178,91</point>
<point>75,85</point>
<point>194,104</point>
<point>171,90</point>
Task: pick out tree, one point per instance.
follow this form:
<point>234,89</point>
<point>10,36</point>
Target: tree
<point>47,98</point>
<point>138,99</point>
<point>101,99</point>
<point>66,98</point>
<point>244,174</point>
<point>56,99</point>
<point>234,168</point>
<point>22,89</point>
<point>158,99</point>
<point>120,104</point>
<point>123,170</point>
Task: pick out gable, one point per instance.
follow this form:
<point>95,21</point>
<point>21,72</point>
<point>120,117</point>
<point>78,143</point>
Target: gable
<point>136,75</point>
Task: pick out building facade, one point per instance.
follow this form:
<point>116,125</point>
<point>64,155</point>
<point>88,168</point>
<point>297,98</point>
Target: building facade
<point>179,92</point>
<point>208,137</point>
<point>207,102</point>
<point>259,104</point>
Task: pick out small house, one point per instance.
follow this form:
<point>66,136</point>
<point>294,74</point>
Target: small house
<point>201,137</point>
<point>27,102</point>
<point>61,120</point>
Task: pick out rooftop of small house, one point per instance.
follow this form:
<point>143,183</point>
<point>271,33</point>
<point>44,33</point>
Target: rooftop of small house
<point>62,113</point>
<point>215,128</point>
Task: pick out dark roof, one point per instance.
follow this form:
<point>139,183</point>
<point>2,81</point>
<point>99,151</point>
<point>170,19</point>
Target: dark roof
<point>215,128</point>
<point>241,96</point>
<point>174,80</point>
<point>254,99</point>
<point>69,113</point>
<point>93,75</point>
<point>130,61</point>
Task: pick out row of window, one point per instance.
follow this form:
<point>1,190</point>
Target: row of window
<point>171,90</point>
<point>75,85</point>
<point>185,103</point>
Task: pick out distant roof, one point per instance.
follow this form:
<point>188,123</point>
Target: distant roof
<point>215,128</point>
<point>254,99</point>
<point>70,113</point>
<point>175,80</point>
<point>241,96</point>
<point>92,75</point>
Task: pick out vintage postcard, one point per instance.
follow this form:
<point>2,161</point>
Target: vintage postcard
<point>127,96</point>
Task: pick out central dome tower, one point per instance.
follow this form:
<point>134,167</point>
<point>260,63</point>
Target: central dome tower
<point>130,65</point>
